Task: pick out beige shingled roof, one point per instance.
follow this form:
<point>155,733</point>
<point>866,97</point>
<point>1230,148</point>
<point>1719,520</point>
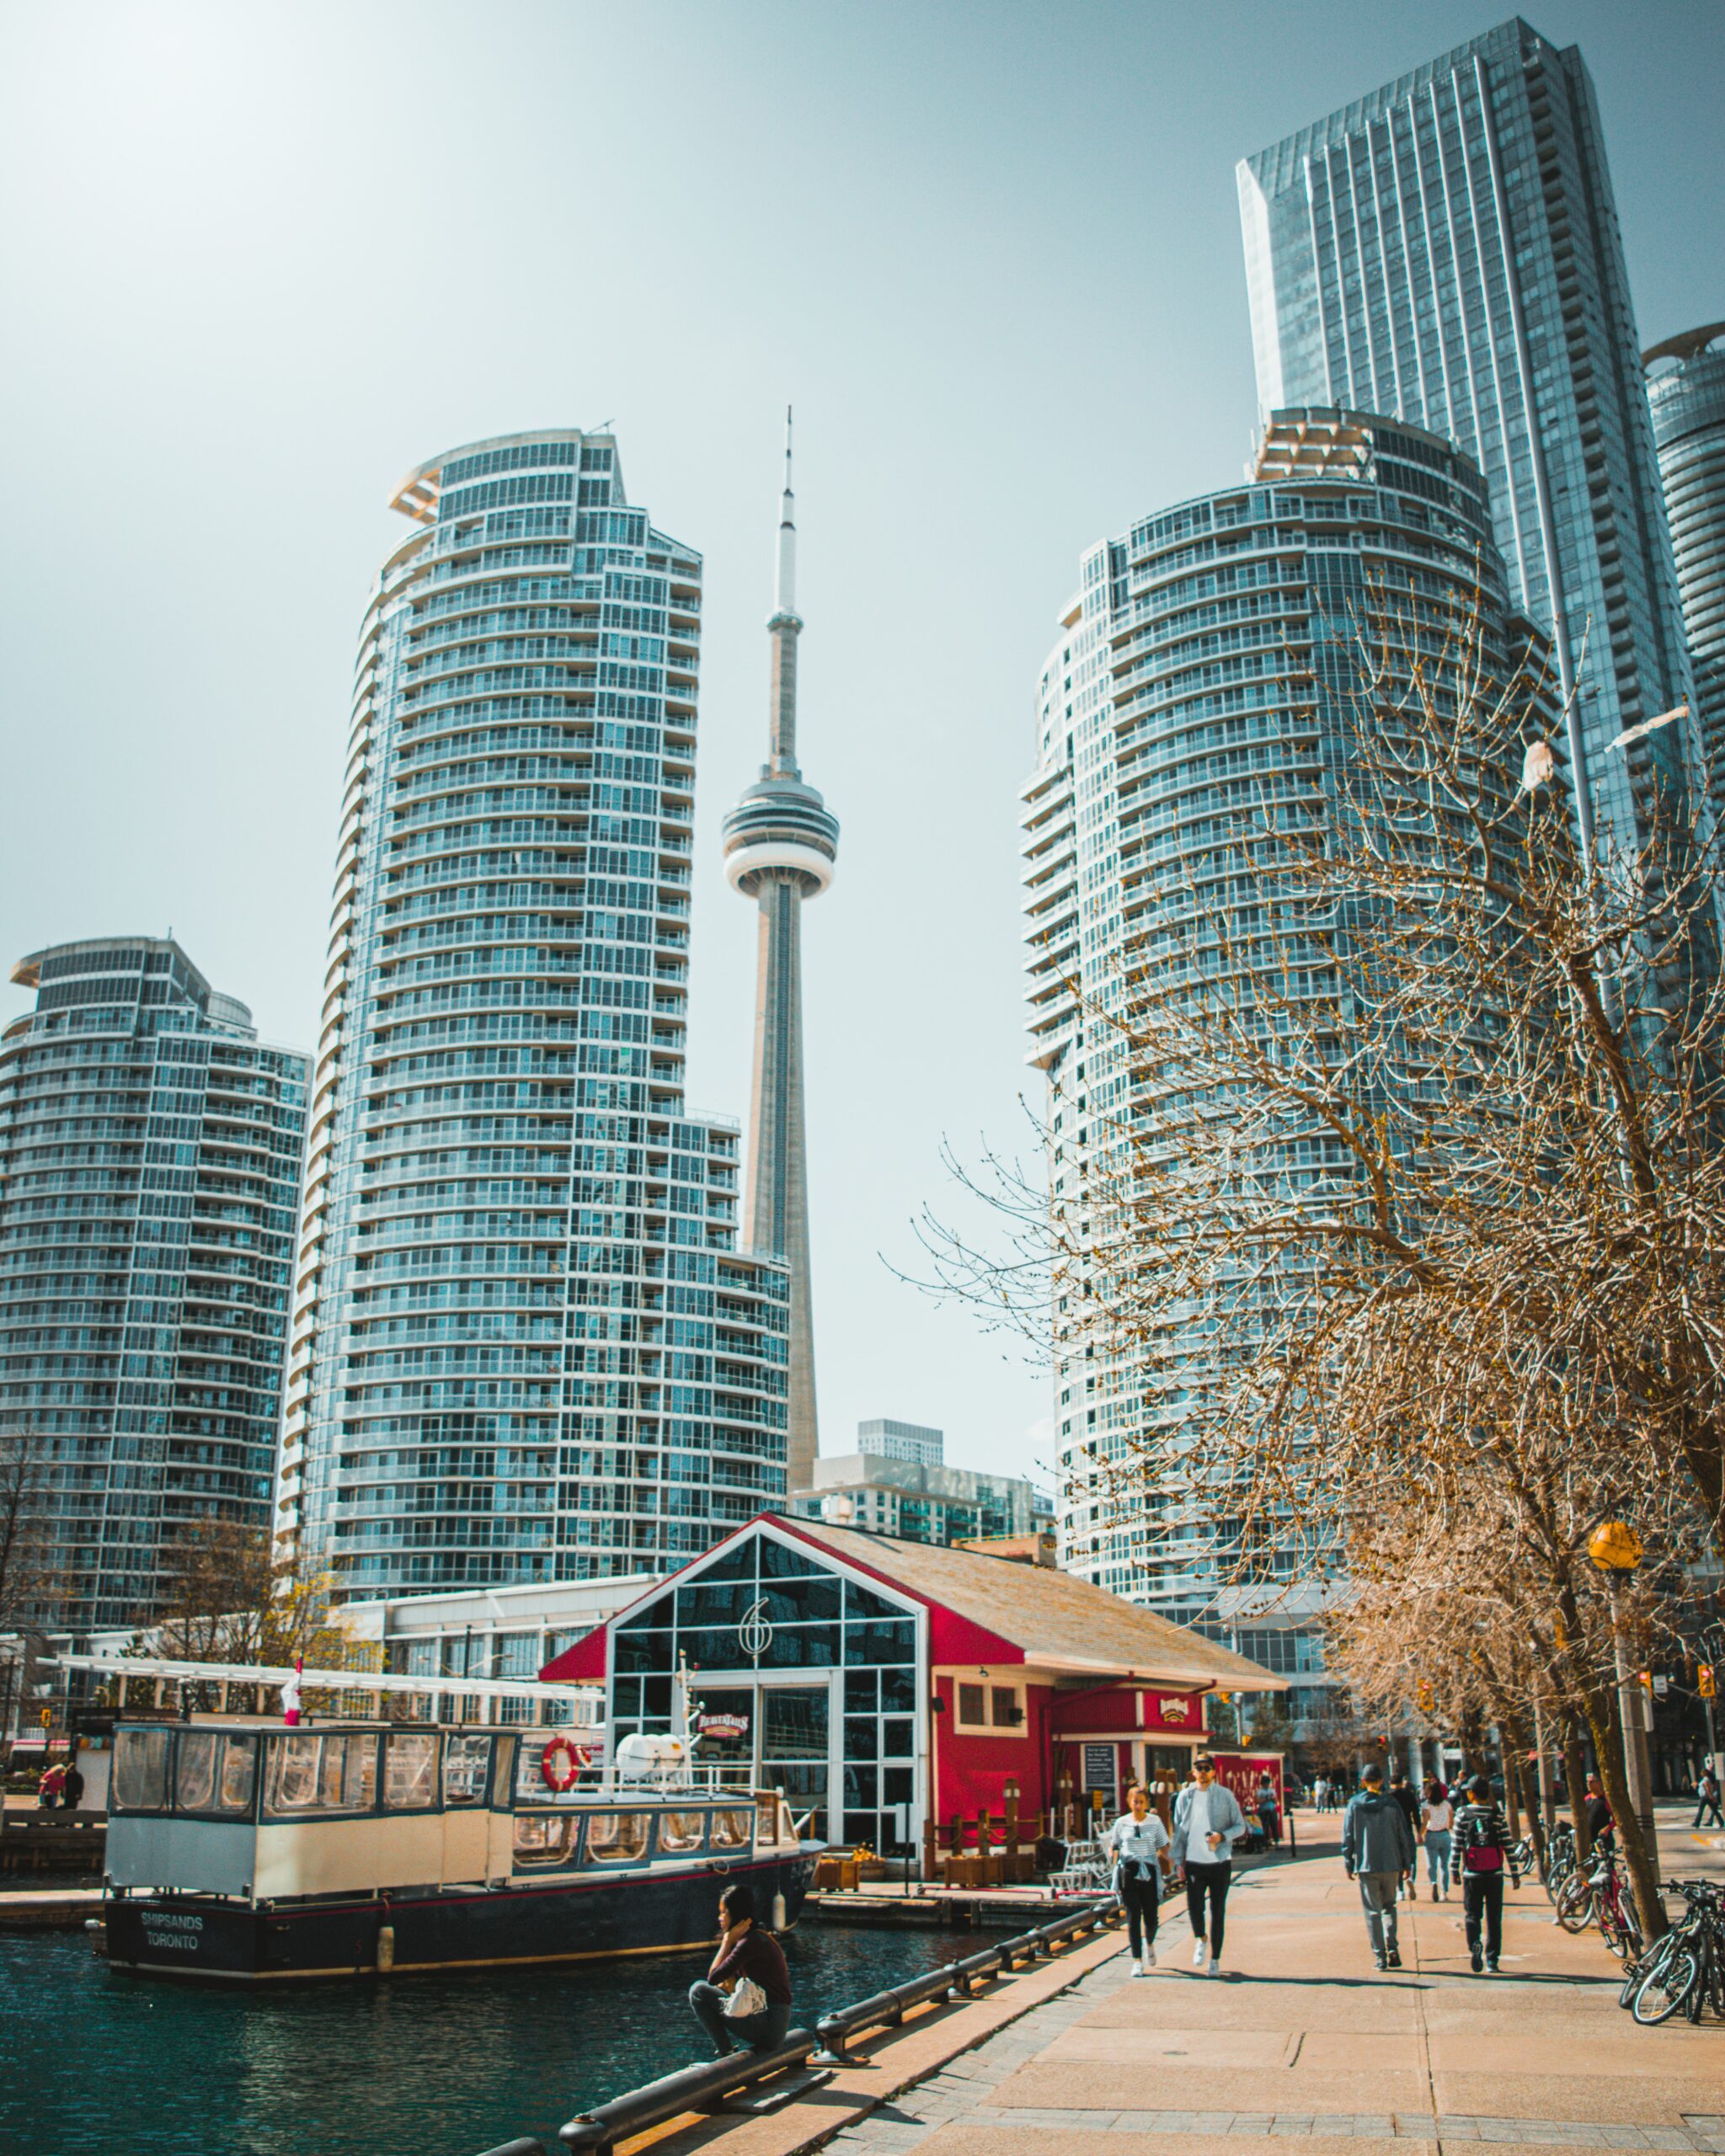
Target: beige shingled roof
<point>1059,1622</point>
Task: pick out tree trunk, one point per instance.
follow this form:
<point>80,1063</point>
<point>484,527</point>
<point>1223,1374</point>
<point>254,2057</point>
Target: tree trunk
<point>1575,1778</point>
<point>1518,1740</point>
<point>1608,1744</point>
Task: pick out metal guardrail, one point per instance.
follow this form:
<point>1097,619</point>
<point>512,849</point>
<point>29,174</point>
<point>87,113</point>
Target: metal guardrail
<point>886,2008</point>
<point>703,2088</point>
<point>690,2089</point>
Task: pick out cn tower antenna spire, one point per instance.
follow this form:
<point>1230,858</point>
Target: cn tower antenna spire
<point>785,588</point>
<point>779,842</point>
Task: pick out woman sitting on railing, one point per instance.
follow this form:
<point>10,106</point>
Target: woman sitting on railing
<point>751,1967</point>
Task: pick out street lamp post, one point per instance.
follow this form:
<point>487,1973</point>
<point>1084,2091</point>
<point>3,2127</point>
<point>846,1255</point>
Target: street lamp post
<point>1615,1548</point>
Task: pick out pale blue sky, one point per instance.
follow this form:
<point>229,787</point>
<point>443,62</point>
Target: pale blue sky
<point>257,261</point>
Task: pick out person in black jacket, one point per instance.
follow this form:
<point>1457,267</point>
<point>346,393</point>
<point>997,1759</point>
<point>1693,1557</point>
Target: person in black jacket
<point>745,1953</point>
<point>1479,1856</point>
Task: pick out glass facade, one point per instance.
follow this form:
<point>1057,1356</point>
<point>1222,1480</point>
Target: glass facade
<point>1445,251</point>
<point>1686,390</point>
<point>1207,674</point>
<point>150,1151</point>
<point>525,1347</point>
<point>806,1673</point>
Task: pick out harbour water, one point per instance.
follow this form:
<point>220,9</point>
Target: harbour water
<point>418,2066</point>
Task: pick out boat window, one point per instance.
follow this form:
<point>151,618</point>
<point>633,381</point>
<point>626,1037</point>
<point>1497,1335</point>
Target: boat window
<point>616,1837</point>
<point>141,1771</point>
<point>529,1770</point>
<point>733,1829</point>
<point>195,1770</point>
<point>293,1771</point>
<point>237,1774</point>
<point>465,1761</point>
<point>681,1830</point>
<point>350,1778</point>
<point>410,1770</point>
<point>318,1770</point>
<point>767,1819</point>
<point>546,1837</point>
<point>213,1771</point>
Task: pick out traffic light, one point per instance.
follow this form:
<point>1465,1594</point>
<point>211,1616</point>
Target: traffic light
<point>1704,1682</point>
<point>1422,1694</point>
<point>1644,1678</point>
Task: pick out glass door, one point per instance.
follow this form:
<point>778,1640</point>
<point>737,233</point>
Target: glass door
<point>795,1754</point>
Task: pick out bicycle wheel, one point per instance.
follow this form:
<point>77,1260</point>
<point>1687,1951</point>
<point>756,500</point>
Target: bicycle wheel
<point>1639,1970</point>
<point>1666,1986</point>
<point>1575,1903</point>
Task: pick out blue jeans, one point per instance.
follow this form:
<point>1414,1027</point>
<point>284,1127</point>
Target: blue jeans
<point>1437,1858</point>
<point>757,2032</point>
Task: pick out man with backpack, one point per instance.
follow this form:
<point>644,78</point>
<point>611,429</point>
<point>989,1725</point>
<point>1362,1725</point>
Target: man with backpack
<point>1377,1850</point>
<point>1479,1856</point>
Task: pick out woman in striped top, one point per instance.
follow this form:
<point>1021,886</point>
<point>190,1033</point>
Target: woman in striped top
<point>1479,1857</point>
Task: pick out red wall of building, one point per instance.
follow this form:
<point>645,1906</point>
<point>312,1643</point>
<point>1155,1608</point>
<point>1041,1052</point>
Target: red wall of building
<point>972,1770</point>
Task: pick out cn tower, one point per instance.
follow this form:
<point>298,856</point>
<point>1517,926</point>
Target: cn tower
<point>780,843</point>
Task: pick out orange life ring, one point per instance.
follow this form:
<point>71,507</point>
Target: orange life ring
<point>561,1762</point>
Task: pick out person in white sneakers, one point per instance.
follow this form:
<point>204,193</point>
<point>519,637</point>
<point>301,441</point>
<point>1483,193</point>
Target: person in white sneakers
<point>1139,1843</point>
<point>1207,1822</point>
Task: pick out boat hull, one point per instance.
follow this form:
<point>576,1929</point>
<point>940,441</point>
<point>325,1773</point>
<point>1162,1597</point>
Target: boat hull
<point>578,1918</point>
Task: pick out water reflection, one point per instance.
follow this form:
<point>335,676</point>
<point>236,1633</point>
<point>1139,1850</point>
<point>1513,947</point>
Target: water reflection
<point>423,2066</point>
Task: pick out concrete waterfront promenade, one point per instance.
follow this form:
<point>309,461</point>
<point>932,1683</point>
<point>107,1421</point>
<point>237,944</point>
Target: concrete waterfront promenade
<point>1306,2041</point>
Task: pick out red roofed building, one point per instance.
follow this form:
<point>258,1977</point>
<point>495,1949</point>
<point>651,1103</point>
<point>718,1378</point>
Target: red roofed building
<point>858,1672</point>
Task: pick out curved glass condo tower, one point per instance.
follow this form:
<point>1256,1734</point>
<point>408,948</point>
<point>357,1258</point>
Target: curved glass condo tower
<point>526,1345</point>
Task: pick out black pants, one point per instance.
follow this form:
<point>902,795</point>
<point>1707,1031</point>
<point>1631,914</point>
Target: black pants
<point>1211,1879</point>
<point>1138,1898</point>
<point>1483,1890</point>
<point>1703,1806</point>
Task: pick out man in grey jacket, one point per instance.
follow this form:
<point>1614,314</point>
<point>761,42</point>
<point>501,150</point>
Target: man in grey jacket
<point>1377,1848</point>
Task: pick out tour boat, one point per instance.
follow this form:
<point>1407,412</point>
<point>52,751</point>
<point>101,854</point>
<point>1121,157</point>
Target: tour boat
<point>248,1851</point>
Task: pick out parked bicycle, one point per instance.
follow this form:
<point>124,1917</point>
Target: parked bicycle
<point>1685,1970</point>
<point>1600,1895</point>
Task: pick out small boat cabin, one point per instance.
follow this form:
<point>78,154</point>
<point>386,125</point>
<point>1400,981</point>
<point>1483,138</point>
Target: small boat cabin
<point>263,1813</point>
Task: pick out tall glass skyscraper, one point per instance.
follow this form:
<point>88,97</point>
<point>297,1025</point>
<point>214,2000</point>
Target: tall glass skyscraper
<point>1208,673</point>
<point>150,1151</point>
<point>1686,390</point>
<point>525,1344</point>
<point>1445,251</point>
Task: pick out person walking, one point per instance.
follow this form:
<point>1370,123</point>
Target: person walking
<point>1264,1802</point>
<point>72,1790</point>
<point>1706,1798</point>
<point>1377,1850</point>
<point>1207,1822</point>
<point>749,1965</point>
<point>1408,1797</point>
<point>1139,1844</point>
<point>51,1787</point>
<point>1439,1819</point>
<point>1479,1857</point>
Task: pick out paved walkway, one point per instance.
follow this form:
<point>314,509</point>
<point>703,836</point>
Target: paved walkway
<point>1307,2041</point>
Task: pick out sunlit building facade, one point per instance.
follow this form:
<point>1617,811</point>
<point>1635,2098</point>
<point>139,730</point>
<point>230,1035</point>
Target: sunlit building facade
<point>1206,673</point>
<point>1445,250</point>
<point>526,1345</point>
<point>1686,391</point>
<point>150,1151</point>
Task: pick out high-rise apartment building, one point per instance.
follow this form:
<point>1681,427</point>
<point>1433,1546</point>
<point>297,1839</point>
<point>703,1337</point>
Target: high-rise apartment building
<point>1445,251</point>
<point>780,843</point>
<point>526,1345</point>
<point>886,1439</point>
<point>1686,391</point>
<point>1207,674</point>
<point>150,1151</point>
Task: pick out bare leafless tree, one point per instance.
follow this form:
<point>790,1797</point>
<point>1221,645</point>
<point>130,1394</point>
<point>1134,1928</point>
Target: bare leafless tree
<point>1406,1238</point>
